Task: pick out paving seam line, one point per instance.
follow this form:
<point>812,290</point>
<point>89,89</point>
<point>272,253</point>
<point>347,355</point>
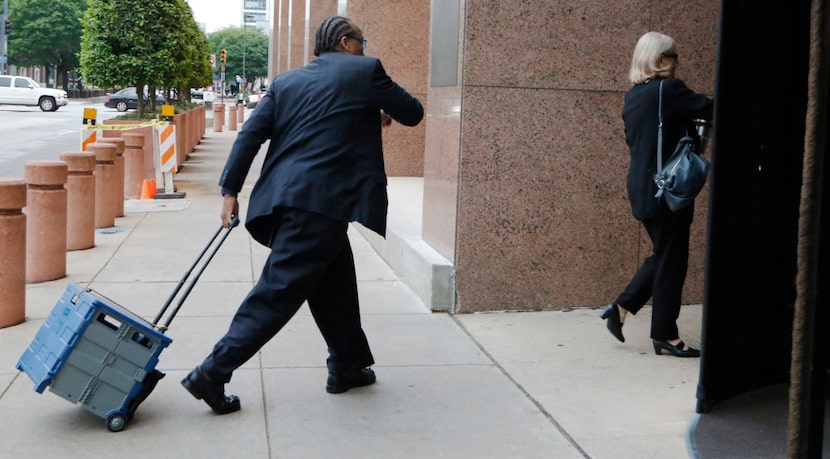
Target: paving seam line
<point>538,405</point>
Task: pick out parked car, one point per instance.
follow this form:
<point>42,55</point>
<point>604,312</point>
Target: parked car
<point>18,90</point>
<point>253,99</point>
<point>208,97</point>
<point>127,99</point>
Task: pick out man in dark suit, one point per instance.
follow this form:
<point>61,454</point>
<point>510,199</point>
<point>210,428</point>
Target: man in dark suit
<point>323,168</point>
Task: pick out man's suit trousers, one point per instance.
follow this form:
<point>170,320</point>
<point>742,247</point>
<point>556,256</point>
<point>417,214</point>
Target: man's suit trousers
<point>662,275</point>
<point>311,259</point>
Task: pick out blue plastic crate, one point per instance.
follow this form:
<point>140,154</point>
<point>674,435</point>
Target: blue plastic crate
<point>127,336</point>
<point>94,352</point>
<point>45,356</point>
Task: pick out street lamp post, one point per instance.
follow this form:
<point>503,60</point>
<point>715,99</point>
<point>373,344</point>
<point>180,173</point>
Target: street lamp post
<point>4,18</point>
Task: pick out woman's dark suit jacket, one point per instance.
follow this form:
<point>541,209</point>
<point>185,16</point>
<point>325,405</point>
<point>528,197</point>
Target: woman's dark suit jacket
<point>680,106</point>
<point>325,154</point>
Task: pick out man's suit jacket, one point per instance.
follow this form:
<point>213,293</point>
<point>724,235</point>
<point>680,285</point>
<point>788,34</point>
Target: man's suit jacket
<point>325,154</point>
<point>680,106</point>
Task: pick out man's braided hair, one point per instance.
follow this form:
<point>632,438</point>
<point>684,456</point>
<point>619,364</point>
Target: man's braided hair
<point>331,30</point>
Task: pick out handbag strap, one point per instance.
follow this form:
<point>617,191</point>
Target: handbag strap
<point>660,129</point>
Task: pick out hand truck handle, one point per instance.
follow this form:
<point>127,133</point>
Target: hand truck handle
<point>163,328</point>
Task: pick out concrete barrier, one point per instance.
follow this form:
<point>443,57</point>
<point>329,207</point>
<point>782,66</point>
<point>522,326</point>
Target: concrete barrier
<point>218,117</point>
<point>80,200</point>
<point>105,183</point>
<point>147,131</point>
<point>232,117</point>
<point>45,220</point>
<point>120,167</point>
<point>133,164</point>
<point>12,252</point>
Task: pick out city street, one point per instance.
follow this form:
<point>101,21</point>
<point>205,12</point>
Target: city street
<point>28,134</point>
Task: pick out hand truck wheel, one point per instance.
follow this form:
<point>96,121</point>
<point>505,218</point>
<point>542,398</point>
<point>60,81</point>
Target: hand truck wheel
<point>116,422</point>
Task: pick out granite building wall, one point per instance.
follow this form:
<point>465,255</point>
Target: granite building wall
<point>536,216</point>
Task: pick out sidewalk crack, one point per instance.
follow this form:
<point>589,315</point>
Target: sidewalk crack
<point>521,388</point>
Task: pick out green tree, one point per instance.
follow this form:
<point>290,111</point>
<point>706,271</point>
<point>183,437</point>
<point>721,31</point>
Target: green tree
<point>152,43</point>
<point>46,32</point>
<point>190,63</point>
<point>247,49</point>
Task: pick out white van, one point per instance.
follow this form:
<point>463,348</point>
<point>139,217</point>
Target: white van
<point>18,90</point>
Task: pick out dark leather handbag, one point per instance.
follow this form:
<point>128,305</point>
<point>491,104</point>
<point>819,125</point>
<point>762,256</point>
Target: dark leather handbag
<point>684,174</point>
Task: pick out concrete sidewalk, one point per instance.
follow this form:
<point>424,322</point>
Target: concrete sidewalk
<point>499,385</point>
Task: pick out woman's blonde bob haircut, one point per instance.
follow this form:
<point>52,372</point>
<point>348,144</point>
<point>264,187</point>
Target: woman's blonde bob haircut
<point>650,47</point>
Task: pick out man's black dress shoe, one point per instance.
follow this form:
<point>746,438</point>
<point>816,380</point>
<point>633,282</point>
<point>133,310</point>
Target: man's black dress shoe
<point>341,381</point>
<point>201,387</point>
<point>611,314</point>
<point>677,351</point>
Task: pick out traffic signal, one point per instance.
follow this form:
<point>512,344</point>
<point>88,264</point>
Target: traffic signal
<point>223,55</point>
<point>8,26</point>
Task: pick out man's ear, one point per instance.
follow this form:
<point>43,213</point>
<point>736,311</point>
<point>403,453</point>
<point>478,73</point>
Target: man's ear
<point>341,45</point>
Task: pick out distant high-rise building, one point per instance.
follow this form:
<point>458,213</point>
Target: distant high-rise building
<point>257,13</point>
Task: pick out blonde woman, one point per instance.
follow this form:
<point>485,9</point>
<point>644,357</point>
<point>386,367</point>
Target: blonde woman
<point>663,273</point>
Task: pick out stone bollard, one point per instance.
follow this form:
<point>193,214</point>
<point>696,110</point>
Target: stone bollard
<point>80,200</point>
<point>45,220</point>
<point>12,252</point>
<point>105,193</point>
<point>202,117</point>
<point>133,165</point>
<point>181,139</point>
<point>232,118</point>
<point>184,131</point>
<point>120,167</point>
<point>240,113</point>
<point>202,123</point>
<point>218,117</point>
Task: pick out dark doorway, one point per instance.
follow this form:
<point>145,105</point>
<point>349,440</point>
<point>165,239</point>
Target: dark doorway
<point>756,185</point>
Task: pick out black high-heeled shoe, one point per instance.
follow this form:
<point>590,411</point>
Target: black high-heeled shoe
<point>680,350</point>
<point>612,320</point>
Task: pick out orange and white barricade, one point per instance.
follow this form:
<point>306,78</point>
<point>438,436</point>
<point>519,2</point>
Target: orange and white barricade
<point>89,134</point>
<point>164,142</point>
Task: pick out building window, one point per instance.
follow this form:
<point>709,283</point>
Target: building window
<point>255,4</point>
<point>253,18</point>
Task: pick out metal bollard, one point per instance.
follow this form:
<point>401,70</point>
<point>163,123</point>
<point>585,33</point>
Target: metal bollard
<point>120,147</point>
<point>45,220</point>
<point>12,252</point>
<point>133,165</point>
<point>105,194</point>
<point>80,200</point>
